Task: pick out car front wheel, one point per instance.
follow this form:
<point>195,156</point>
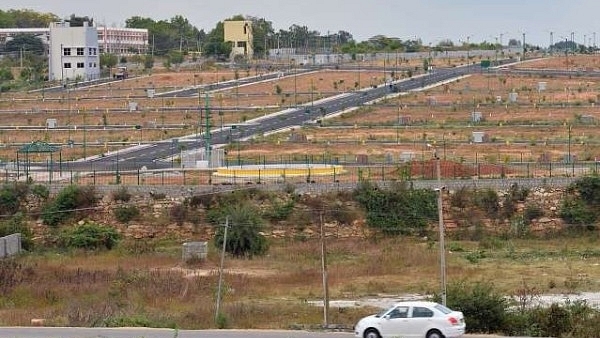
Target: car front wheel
<point>434,334</point>
<point>372,333</point>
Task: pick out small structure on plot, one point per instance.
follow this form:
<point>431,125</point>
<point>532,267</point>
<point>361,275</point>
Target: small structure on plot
<point>133,106</point>
<point>541,86</point>
<point>297,138</point>
<point>431,101</point>
<point>362,159</point>
<point>407,156</point>
<point>51,123</point>
<point>404,120</point>
<point>194,251</point>
<point>476,117</point>
<point>513,97</point>
<point>479,137</point>
<point>587,119</point>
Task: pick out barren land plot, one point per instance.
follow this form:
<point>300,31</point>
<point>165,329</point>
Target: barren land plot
<point>560,61</point>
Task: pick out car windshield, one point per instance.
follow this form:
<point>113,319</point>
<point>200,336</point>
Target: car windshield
<point>443,309</point>
<point>383,312</point>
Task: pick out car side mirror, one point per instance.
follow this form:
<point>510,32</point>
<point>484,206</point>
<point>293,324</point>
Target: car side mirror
<point>386,317</point>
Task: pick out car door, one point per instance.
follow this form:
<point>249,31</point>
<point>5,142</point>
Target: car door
<point>394,323</point>
<point>419,322</point>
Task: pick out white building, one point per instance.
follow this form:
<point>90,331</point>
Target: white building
<point>73,53</point>
<point>120,41</point>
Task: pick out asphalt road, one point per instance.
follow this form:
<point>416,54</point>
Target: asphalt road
<point>72,332</point>
<point>152,156</point>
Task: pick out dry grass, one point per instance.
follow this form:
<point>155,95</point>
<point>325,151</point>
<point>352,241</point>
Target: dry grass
<point>157,289</point>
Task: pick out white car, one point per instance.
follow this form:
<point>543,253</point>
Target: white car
<point>412,319</point>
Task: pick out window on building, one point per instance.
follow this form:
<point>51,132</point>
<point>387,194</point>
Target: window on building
<point>90,51</point>
<point>80,51</point>
<point>80,65</point>
<point>66,51</point>
<point>67,65</point>
<point>91,65</point>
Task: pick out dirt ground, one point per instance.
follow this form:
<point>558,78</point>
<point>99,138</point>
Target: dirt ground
<point>540,124</point>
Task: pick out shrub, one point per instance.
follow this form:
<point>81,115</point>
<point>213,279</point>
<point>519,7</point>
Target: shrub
<point>68,201</point>
<point>89,236</point>
<point>460,198</point>
<point>11,197</point>
<point>279,211</point>
<point>484,308</point>
<point>398,210</point>
<point>178,213</point>
<point>532,211</point>
<point>16,224</point>
<point>487,200</point>
<point>574,211</point>
<point>121,195</point>
<point>124,214</point>
<point>589,189</point>
<point>40,191</point>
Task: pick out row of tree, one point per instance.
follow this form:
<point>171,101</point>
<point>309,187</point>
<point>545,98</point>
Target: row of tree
<point>178,34</point>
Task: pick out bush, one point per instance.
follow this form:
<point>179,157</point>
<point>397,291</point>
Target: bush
<point>124,214</point>
<point>483,307</point>
<point>461,198</point>
<point>178,213</point>
<point>40,191</point>
<point>12,197</point>
<point>89,236</point>
<point>121,195</point>
<point>16,224</point>
<point>574,211</point>
<point>398,210</point>
<point>70,200</point>
<point>488,201</point>
<point>279,210</point>
<point>532,211</point>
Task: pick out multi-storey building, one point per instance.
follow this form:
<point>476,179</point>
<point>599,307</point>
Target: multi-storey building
<point>120,41</point>
<point>73,53</point>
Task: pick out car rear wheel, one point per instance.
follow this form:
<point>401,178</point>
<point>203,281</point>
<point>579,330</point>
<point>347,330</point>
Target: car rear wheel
<point>371,333</point>
<point>434,334</point>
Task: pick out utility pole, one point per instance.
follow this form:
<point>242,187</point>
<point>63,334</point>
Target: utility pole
<point>218,306</point>
<point>442,235</point>
<point>524,49</point>
<point>324,269</point>
<point>207,136</point>
<point>440,206</point>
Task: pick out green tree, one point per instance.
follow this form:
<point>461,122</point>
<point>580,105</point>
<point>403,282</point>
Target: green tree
<point>25,43</point>
<point>244,238</point>
<point>25,18</point>
<point>108,60</point>
<point>175,57</point>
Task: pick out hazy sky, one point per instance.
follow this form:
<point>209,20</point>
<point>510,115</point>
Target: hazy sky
<point>430,20</point>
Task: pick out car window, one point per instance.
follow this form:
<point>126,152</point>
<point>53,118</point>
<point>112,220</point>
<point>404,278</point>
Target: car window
<point>442,309</point>
<point>399,312</point>
<point>421,312</point>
